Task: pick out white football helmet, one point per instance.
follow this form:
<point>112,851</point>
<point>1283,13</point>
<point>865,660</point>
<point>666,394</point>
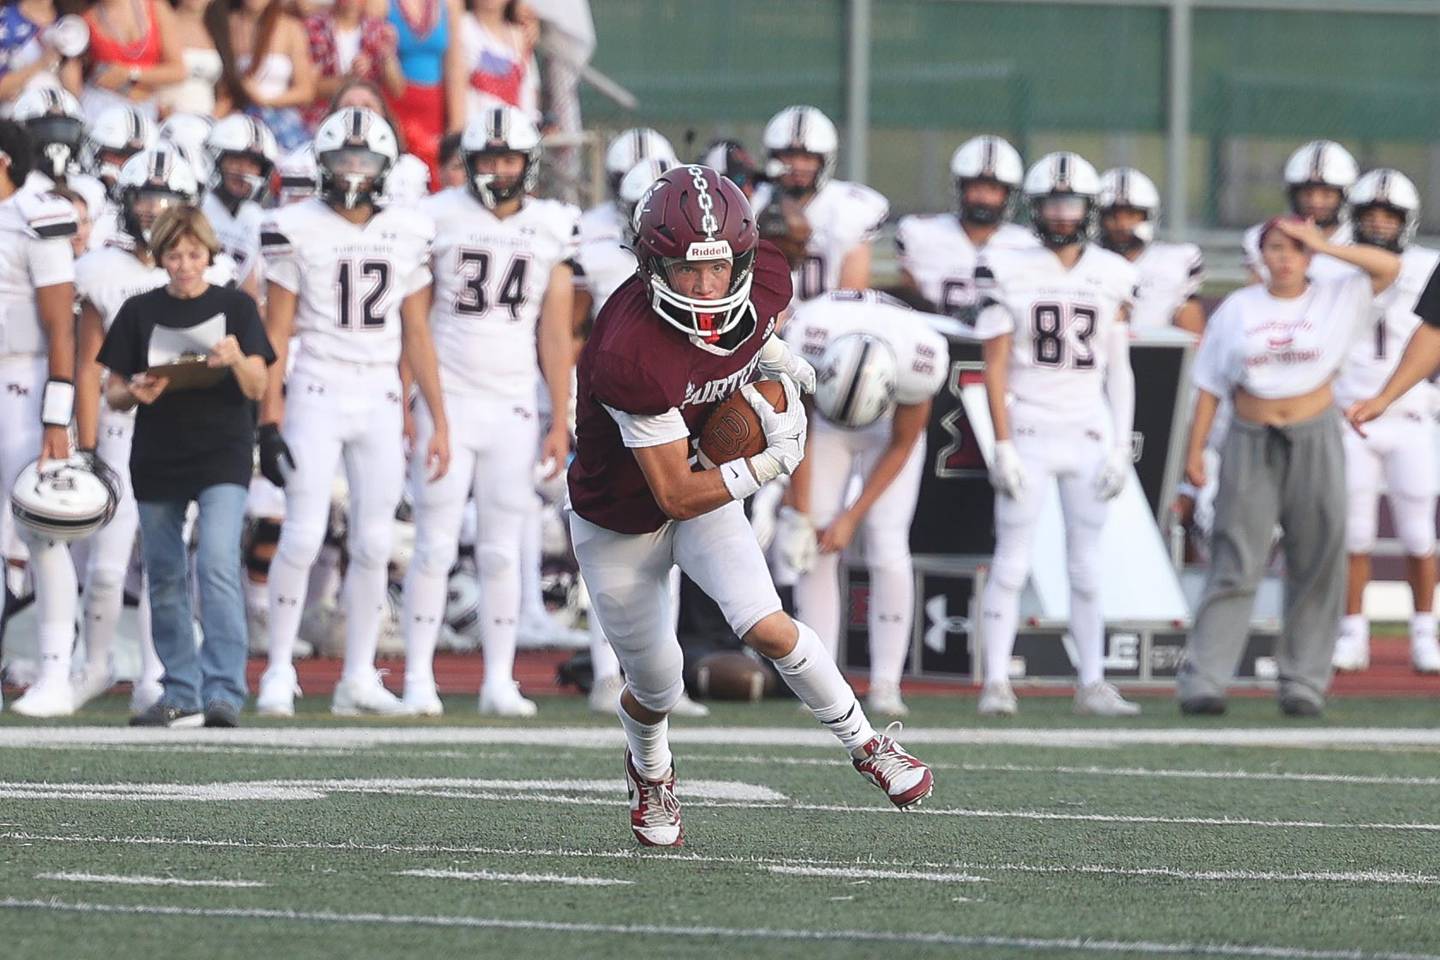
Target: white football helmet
<point>1320,163</point>
<point>64,499</point>
<point>500,130</point>
<point>1392,190</point>
<point>120,132</point>
<point>56,125</point>
<point>632,188</point>
<point>299,175</point>
<point>239,134</point>
<point>801,129</point>
<point>189,132</point>
<point>986,158</point>
<point>408,182</point>
<point>631,146</point>
<point>1128,188</point>
<point>1061,189</point>
<point>855,381</point>
<point>68,36</point>
<point>149,183</point>
<point>355,149</point>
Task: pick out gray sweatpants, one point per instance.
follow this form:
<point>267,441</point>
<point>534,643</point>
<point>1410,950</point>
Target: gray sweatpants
<point>1294,476</point>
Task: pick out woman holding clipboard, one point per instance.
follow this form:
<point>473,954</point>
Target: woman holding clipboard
<point>193,356</point>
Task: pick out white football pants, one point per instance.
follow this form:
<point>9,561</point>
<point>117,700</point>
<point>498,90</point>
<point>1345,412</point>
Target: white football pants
<point>338,413</point>
<point>1397,454</point>
<point>836,456</point>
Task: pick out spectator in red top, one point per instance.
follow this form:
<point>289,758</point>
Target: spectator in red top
<point>134,50</point>
<point>346,44</point>
<point>431,100</point>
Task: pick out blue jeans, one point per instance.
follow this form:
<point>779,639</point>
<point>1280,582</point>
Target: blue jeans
<point>194,679</point>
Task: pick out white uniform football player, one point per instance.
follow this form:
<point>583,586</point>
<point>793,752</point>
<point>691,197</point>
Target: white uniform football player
<point>56,125</point>
<point>606,221</point>
<point>148,183</point>
<point>843,218</point>
<point>878,364</point>
<point>503,286</point>
<point>37,393</point>
<point>1171,274</point>
<point>1397,452</point>
<point>118,133</point>
<point>1062,398</point>
<point>1317,177</point>
<point>605,258</point>
<point>242,153</point>
<point>938,251</point>
<point>351,281</point>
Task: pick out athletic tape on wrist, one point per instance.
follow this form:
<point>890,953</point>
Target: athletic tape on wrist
<point>57,403</point>
<point>738,479</point>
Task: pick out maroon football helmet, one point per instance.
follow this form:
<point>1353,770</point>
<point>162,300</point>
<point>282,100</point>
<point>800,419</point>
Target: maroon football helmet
<point>691,213</point>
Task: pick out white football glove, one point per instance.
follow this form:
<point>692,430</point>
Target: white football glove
<point>777,360</point>
<point>1116,470</point>
<point>784,436</point>
<point>1007,473</point>
<point>795,540</point>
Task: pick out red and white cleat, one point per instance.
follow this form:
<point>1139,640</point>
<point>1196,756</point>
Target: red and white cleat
<point>654,808</point>
<point>905,780</point>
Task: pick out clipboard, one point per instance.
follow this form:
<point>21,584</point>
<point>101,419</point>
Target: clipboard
<point>178,354</point>
<point>190,372</point>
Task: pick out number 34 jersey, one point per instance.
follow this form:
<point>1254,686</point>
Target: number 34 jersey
<point>349,278</point>
<point>1062,322</point>
<point>491,278</point>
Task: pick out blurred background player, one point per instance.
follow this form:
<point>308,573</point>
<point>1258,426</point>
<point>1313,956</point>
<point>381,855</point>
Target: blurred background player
<point>825,227</point>
<point>118,133</point>
<point>242,153</point>
<point>1397,452</point>
<point>1170,274</point>
<point>1062,399</point>
<point>1317,177</point>
<point>503,288</point>
<point>878,366</point>
<point>938,251</point>
<point>351,282</point>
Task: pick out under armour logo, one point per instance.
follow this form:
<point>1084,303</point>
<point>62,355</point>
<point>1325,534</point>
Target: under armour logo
<point>17,389</point>
<point>314,388</point>
<point>939,623</point>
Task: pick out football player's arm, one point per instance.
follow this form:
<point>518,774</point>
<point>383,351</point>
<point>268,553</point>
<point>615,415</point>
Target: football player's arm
<point>280,304</point>
<point>1420,360</point>
<point>56,306</point>
<point>680,492</point>
<point>996,354</point>
<point>88,376</point>
<point>1190,317</point>
<point>855,267</point>
<point>905,430</point>
<point>557,360</point>
<point>1120,382</point>
<point>418,353</point>
<point>171,68</point>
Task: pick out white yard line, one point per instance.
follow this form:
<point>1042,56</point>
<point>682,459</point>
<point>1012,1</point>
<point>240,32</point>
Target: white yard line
<point>861,873</point>
<point>529,853</point>
<point>560,878</point>
<point>1276,952</point>
<point>145,881</point>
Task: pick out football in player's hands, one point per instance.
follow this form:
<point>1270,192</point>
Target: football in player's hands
<point>733,431</point>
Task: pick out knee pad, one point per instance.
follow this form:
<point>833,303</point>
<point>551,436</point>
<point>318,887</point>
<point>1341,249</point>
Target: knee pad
<point>369,543</point>
<point>661,698</point>
<point>1008,570</point>
<point>494,561</point>
<point>1414,524</point>
<point>300,543</point>
<point>434,554</point>
<point>1084,576</point>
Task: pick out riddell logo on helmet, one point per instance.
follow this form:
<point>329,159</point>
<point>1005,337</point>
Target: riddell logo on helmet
<point>709,250</point>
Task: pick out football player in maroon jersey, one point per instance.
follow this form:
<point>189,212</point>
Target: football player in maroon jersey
<point>693,326</point>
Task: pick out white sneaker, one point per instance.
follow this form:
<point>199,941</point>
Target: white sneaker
<point>366,694</point>
<point>685,707</point>
<point>1101,699</point>
<point>505,700</point>
<point>90,682</point>
<point>1425,653</point>
<point>50,696</point>
<point>884,699</point>
<point>144,694</point>
<point>997,699</point>
<point>422,698</point>
<point>1352,653</point>
<point>278,689</point>
<point>605,694</point>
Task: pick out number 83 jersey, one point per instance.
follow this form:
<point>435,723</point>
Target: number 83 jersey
<point>491,279</point>
<point>1062,322</point>
<point>349,278</point>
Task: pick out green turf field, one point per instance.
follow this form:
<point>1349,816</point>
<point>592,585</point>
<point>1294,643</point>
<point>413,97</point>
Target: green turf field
<point>1047,836</point>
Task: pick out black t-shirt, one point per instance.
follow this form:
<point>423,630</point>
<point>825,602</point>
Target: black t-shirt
<point>191,439</point>
<point>1427,308</point>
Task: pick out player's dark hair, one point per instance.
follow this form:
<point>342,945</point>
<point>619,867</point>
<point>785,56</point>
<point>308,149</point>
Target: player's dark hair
<point>449,148</point>
<point>15,143</point>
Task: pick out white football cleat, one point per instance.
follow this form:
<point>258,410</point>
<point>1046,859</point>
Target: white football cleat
<point>50,696</point>
<point>278,689</point>
<point>366,694</point>
<point>144,694</point>
<point>505,700</point>
<point>1425,653</point>
<point>1352,653</point>
<point>90,682</point>
<point>884,699</point>
<point>605,694</point>
<point>997,699</point>
<point>905,780</point>
<point>685,707</point>
<point>422,699</point>
<point>654,808</point>
<point>1101,699</point>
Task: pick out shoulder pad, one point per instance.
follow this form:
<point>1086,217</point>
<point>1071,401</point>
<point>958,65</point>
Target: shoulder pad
<point>275,232</point>
<point>47,216</point>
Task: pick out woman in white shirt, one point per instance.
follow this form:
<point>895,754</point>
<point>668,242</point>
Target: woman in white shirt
<point>1274,350</point>
<point>196,93</point>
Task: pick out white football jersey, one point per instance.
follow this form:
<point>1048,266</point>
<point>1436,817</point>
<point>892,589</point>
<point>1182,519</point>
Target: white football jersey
<point>35,232</point>
<point>1170,274</point>
<point>1372,359</point>
<point>939,255</point>
<point>239,235</point>
<point>1061,321</point>
<point>491,277</point>
<point>921,352</point>
<point>107,277</point>
<point>1322,267</point>
<point>350,278</point>
<point>605,262</point>
<point>842,216</point>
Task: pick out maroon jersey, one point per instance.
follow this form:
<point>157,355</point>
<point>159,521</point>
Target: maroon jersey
<point>638,363</point>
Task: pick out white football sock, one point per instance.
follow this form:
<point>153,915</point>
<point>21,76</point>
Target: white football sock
<point>55,592</point>
<point>287,588</point>
<point>817,600</point>
<point>1422,626</point>
<point>421,608</point>
<point>532,599</point>
<point>649,745</point>
<point>1087,628</point>
<point>892,597</point>
<point>365,605</point>
<point>811,672</point>
<point>999,617</point>
<point>1355,627</point>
